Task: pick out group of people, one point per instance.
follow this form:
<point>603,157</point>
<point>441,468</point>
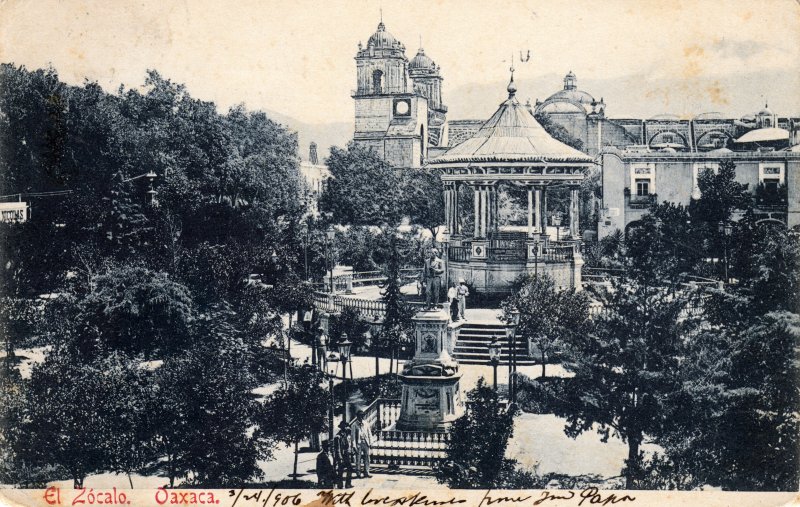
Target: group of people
<point>352,443</point>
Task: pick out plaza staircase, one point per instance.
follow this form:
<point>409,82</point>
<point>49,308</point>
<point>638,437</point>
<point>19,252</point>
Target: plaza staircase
<point>474,337</point>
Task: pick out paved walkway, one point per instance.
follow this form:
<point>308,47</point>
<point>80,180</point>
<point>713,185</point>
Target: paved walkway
<point>539,440</point>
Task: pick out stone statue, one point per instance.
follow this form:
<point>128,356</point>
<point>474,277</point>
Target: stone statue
<point>433,271</point>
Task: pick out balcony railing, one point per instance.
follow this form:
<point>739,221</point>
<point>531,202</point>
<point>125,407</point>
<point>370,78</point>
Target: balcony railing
<point>336,303</point>
<point>507,254</point>
<point>384,90</point>
<point>459,253</point>
<point>642,201</point>
<point>564,253</point>
<point>517,251</point>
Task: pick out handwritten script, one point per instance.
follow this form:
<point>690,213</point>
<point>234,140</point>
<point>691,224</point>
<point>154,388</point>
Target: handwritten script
<point>353,498</point>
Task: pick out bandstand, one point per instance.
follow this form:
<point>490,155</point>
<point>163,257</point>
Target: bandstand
<point>511,148</point>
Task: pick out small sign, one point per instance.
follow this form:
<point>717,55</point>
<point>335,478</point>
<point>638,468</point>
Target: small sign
<point>13,211</point>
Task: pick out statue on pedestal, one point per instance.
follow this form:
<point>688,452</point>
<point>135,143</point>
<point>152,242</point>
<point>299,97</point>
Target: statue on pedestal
<point>431,398</point>
<point>433,272</point>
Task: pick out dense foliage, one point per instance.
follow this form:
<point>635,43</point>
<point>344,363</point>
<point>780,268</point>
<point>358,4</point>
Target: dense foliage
<point>548,316</point>
<point>478,440</point>
<point>706,369</point>
<point>166,237</point>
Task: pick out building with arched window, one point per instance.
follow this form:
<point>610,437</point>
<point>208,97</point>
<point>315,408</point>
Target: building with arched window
<point>397,120</point>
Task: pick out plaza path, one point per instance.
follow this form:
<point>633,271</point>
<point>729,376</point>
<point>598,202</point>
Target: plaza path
<point>539,441</point>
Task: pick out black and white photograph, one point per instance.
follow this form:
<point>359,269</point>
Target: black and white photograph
<point>418,253</point>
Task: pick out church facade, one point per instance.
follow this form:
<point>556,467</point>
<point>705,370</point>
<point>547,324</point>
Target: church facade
<point>399,111</point>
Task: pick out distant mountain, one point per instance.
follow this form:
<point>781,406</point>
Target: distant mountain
<point>324,134</point>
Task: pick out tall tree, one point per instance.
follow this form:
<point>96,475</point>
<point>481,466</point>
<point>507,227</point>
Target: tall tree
<point>547,315</point>
<point>73,413</point>
<point>298,409</point>
<point>208,426</point>
<point>625,366</point>
<point>663,246</point>
<point>397,319</point>
<point>135,310</point>
<point>475,455</point>
<point>734,424</point>
<point>720,195</point>
<point>364,189</point>
<point>423,192</point>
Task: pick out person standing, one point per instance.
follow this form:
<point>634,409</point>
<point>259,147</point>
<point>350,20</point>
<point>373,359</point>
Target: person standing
<point>452,298</point>
<point>344,456</point>
<point>462,291</point>
<point>434,269</point>
<point>362,440</point>
<point>326,474</point>
<point>322,343</point>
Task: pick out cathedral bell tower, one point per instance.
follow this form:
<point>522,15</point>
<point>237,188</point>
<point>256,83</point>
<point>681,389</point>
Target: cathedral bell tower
<point>390,118</point>
<point>428,83</point>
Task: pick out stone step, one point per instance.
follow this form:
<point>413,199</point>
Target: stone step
<point>521,351</point>
<point>473,339</point>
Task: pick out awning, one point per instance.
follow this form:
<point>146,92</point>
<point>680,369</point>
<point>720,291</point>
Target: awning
<point>764,135</point>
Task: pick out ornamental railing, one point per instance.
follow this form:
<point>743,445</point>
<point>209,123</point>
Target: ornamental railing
<point>397,447</point>
<point>459,253</point>
<point>336,303</point>
<point>552,252</point>
<point>415,448</point>
<point>507,254</point>
<point>563,253</point>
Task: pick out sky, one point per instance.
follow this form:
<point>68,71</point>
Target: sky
<point>296,57</point>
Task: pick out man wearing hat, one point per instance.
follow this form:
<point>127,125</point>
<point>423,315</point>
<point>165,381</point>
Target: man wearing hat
<point>362,440</point>
<point>462,291</point>
<point>326,474</point>
<point>434,269</point>
<point>343,456</point>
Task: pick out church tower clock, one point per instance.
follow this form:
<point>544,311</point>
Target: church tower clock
<point>390,118</point>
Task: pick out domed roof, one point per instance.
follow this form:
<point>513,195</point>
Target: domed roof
<point>512,135</point>
<point>382,39</point>
<point>557,102</point>
<point>569,99</point>
<point>421,61</point>
<point>665,116</point>
<point>766,111</point>
<point>764,135</point>
<point>711,115</point>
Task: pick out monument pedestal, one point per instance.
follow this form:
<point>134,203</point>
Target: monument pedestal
<point>431,398</point>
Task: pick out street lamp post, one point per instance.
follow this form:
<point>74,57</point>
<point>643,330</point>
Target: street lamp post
<point>151,192</point>
<point>511,334</point>
<point>557,223</point>
<point>330,234</point>
<point>310,334</point>
<point>344,355</point>
<point>494,358</point>
<point>726,229</point>
<point>331,374</point>
<point>305,231</point>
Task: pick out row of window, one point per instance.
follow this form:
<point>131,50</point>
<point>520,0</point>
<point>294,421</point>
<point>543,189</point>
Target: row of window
<point>643,177</point>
